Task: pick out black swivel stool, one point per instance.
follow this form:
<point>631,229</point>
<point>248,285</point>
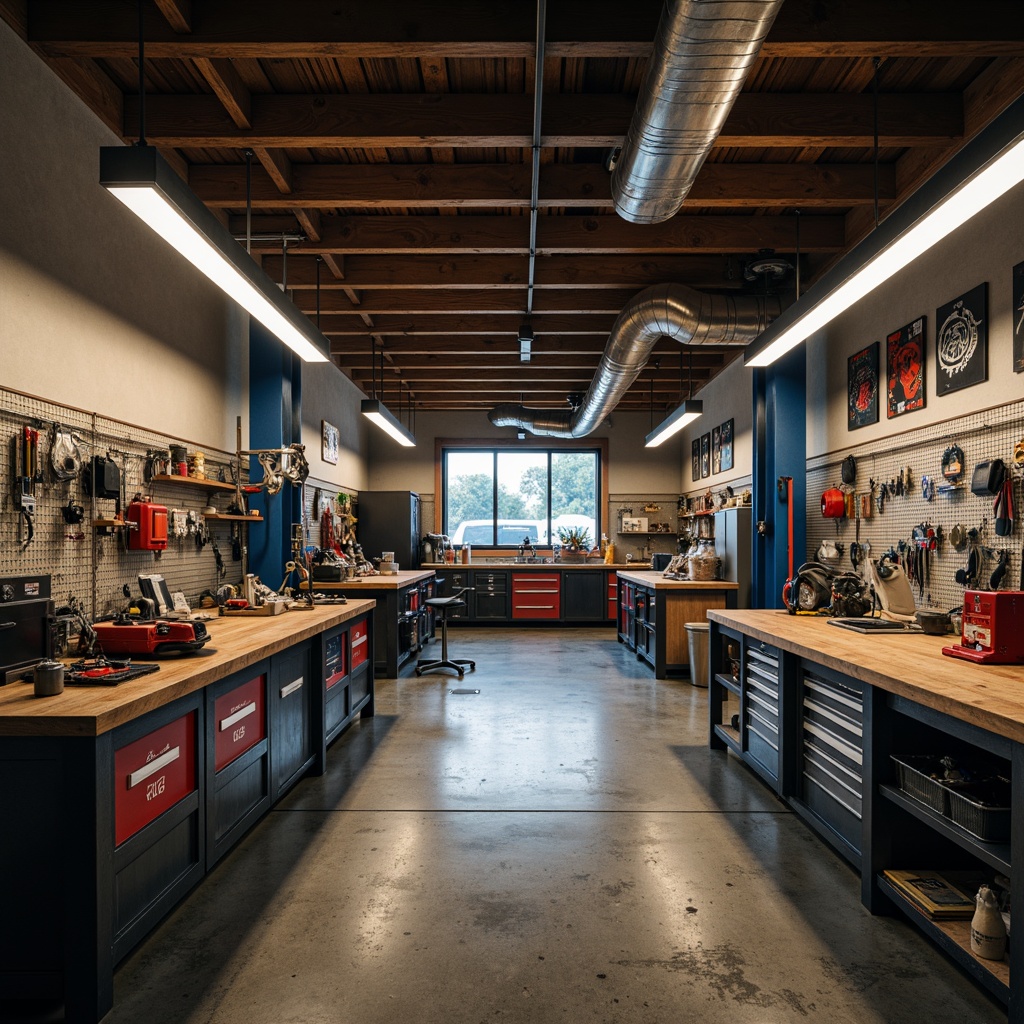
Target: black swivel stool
<point>442,604</point>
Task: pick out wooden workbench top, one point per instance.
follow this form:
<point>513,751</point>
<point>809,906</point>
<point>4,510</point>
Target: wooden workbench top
<point>400,579</point>
<point>911,665</point>
<point>508,563</point>
<point>655,580</point>
<point>235,643</point>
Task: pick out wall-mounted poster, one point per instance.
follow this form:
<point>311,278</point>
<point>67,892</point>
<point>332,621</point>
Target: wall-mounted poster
<point>1018,318</point>
<point>329,438</point>
<point>727,445</point>
<point>705,455</point>
<point>695,459</point>
<point>862,387</point>
<point>961,341</point>
<point>716,449</point>
<point>904,369</point>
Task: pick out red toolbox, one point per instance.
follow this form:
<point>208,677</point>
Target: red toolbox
<point>240,721</point>
<point>151,522</point>
<point>152,774</point>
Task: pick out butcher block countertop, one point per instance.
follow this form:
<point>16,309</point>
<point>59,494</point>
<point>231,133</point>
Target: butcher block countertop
<point>235,644</point>
<point>656,581</point>
<point>911,665</point>
<point>400,579</point>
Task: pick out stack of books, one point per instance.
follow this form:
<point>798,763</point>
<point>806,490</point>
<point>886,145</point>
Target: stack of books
<point>933,893</point>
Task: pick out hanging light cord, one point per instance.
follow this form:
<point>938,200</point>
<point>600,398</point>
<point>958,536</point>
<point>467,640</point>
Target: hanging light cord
<point>142,79</point>
<point>797,212</point>
<point>248,201</point>
<point>874,85</point>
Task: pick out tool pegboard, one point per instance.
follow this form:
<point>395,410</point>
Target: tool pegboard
<point>70,539</point>
<point>930,508</point>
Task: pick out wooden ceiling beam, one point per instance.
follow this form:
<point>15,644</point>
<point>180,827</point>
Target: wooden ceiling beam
<point>465,302</point>
<point>546,361</point>
<point>455,325</point>
<point>228,87</point>
<point>505,28</point>
<point>556,348</point>
<point>362,186</point>
<point>682,234</point>
<point>405,272</point>
<point>178,14</point>
<point>808,120</point>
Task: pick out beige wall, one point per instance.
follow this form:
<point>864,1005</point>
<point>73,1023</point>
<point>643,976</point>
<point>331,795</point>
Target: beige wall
<point>986,249</point>
<point>95,310</point>
<point>327,394</point>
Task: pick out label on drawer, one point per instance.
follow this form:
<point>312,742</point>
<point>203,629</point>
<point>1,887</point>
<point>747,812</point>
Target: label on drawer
<point>360,643</point>
<point>334,666</point>
<point>240,721</point>
<point>152,774</point>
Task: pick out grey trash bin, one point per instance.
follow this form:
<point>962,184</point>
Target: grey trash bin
<point>697,638</point>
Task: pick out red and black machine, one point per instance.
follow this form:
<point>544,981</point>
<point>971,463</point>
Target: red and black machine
<point>993,628</point>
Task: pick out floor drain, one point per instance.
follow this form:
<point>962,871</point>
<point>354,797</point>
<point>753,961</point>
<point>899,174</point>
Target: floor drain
<point>463,691</point>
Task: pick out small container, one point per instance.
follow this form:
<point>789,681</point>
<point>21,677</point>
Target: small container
<point>48,678</point>
<point>467,554</point>
<point>988,932</point>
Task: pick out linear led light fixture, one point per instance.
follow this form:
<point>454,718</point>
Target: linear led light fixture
<point>525,342</point>
<point>684,414</point>
<point>986,168</point>
<point>141,179</point>
<point>377,412</point>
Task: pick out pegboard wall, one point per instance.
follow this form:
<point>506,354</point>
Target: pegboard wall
<point>87,561</point>
<point>982,436</point>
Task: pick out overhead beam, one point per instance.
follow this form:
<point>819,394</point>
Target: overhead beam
<point>361,186</point>
<point>266,29</point>
<point>178,14</point>
<point>404,272</point>
<point>681,234</point>
<point>455,325</point>
<point>758,120</point>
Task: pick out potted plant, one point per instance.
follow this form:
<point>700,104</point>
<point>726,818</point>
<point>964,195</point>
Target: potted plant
<point>575,543</point>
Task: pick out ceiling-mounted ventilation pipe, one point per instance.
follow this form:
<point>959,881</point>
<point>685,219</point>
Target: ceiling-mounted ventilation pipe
<point>702,54</point>
<point>665,310</point>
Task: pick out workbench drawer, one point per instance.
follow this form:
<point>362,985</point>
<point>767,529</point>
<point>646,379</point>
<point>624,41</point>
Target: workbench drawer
<point>152,774</point>
<point>360,643</point>
<point>239,721</point>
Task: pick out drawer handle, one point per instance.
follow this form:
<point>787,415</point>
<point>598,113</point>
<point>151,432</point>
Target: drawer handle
<point>546,607</point>
<point>249,709</point>
<point>154,766</point>
<point>361,640</point>
<point>295,684</point>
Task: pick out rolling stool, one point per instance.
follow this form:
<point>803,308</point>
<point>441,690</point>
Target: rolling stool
<point>442,604</point>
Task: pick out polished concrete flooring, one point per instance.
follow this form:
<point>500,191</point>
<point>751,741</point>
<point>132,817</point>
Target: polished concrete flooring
<point>561,846</point>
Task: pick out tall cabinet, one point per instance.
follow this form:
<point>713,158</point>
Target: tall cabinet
<point>390,521</point>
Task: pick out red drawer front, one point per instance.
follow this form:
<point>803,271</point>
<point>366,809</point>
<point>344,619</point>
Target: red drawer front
<point>360,643</point>
<point>334,667</point>
<point>414,601</point>
<point>152,774</point>
<point>240,721</point>
<point>536,596</point>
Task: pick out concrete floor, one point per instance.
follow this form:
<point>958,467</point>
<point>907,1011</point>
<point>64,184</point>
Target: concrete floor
<point>561,846</point>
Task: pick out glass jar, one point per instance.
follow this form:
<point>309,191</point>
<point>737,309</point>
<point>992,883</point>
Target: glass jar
<point>704,561</point>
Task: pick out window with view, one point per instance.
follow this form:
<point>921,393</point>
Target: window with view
<point>498,497</point>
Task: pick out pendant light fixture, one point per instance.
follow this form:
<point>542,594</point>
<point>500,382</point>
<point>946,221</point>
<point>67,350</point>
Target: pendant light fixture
<point>140,178</point>
<point>983,171</point>
<point>377,412</point>
<point>685,414</point>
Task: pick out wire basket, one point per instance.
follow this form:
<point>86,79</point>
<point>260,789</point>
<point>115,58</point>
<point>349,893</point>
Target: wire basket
<point>913,777</point>
<point>983,810</point>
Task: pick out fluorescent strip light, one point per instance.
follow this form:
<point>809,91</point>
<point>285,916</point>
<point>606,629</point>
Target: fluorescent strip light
<point>141,179</point>
<point>968,184</point>
<point>686,413</point>
<point>377,412</point>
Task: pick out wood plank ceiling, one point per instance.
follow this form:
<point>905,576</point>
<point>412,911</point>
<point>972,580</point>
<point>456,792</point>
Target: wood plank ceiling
<point>391,146</point>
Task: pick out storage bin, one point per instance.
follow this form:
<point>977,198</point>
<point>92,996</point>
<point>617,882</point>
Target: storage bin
<point>913,773</point>
<point>983,809</point>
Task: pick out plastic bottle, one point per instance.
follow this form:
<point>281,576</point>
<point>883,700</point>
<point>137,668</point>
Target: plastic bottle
<point>604,543</point>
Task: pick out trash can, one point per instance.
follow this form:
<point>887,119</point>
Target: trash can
<point>697,638</point>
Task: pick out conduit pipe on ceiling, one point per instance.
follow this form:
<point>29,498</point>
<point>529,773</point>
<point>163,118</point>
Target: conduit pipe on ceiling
<point>703,52</point>
<point>664,310</point>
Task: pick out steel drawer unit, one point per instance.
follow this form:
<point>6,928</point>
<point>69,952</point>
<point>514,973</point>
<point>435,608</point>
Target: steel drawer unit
<point>238,773</point>
<point>761,691</point>
<point>490,595</point>
<point>536,595</point>
<point>832,751</point>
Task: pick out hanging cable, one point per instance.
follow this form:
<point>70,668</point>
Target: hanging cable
<point>874,86</point>
<point>319,260</point>
<point>797,212</point>
<point>142,79</point>
<point>248,201</point>
<point>538,95</point>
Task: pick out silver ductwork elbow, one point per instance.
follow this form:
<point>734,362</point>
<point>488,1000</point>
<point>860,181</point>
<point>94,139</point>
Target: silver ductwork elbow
<point>703,53</point>
<point>665,310</point>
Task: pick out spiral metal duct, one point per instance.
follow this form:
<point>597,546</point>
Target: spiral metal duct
<point>702,54</point>
<point>664,310</point>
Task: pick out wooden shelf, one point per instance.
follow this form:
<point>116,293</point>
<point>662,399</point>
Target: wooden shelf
<point>647,533</point>
<point>193,481</point>
<point>954,938</point>
<point>234,519</point>
<point>114,524</point>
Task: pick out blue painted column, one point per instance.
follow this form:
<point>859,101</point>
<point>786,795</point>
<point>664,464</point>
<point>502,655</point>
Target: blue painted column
<point>780,451</point>
<point>275,405</point>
